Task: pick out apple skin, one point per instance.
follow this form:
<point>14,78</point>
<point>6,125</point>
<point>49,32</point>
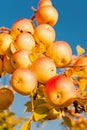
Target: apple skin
<point>22,25</point>
<point>5,41</point>
<point>44,3</point>
<point>80,66</point>
<point>46,14</point>
<point>1,66</point>
<point>20,59</point>
<point>44,34</point>
<point>44,68</point>
<point>6,98</point>
<point>60,91</point>
<point>60,52</point>
<point>7,65</point>
<point>81,61</point>
<point>24,41</point>
<point>23,81</point>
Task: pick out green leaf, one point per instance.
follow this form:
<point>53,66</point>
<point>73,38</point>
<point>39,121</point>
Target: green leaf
<point>40,113</point>
<point>37,102</point>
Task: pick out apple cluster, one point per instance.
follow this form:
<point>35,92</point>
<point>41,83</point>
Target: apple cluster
<point>31,55</point>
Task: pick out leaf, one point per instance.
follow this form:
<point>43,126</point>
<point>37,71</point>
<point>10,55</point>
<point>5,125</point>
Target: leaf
<point>26,126</point>
<point>37,102</point>
<point>80,50</point>
<point>80,71</point>
<point>67,121</point>
<point>82,82</point>
<point>40,113</point>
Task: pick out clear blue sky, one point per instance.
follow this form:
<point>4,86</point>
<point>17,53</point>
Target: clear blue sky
<point>71,27</point>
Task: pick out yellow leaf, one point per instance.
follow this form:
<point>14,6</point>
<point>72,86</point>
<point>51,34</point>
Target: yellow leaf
<point>82,82</point>
<point>40,113</point>
<point>80,50</point>
<point>26,126</point>
<point>67,121</point>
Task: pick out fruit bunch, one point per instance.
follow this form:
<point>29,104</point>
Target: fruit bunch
<point>41,66</point>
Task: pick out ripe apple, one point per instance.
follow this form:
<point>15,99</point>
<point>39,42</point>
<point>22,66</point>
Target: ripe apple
<point>6,98</point>
<point>60,91</point>
<point>44,3</point>
<point>22,25</point>
<point>81,61</point>
<point>1,66</point>
<point>60,52</point>
<point>20,59</point>
<point>5,41</point>
<point>44,68</point>
<point>44,34</point>
<point>23,81</point>
<point>7,65</point>
<point>24,41</point>
<point>80,66</point>
<point>46,14</point>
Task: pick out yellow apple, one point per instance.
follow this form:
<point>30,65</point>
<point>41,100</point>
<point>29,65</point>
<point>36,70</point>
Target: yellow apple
<point>44,34</point>
<point>60,52</point>
<point>20,59</point>
<point>6,98</point>
<point>7,64</point>
<point>5,41</point>
<point>22,25</point>
<point>44,68</point>
<point>24,41</point>
<point>23,81</point>
<point>46,14</point>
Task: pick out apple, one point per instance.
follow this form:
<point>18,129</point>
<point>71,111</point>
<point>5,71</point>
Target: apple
<point>44,68</point>
<point>24,41</point>
<point>1,66</point>
<point>7,65</point>
<point>81,61</point>
<point>44,34</point>
<point>22,25</point>
<point>46,14</point>
<point>5,41</point>
<point>44,3</point>
<point>23,81</point>
<point>20,59</point>
<point>6,98</point>
<point>60,52</point>
<point>60,91</point>
<point>80,66</point>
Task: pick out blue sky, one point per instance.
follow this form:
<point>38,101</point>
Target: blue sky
<point>71,27</point>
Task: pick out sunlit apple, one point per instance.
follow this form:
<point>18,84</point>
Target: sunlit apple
<point>44,34</point>
<point>47,14</point>
<point>60,52</point>
<point>44,3</point>
<point>60,91</point>
<point>20,59</point>
<point>22,25</point>
<point>24,41</point>
<point>5,41</point>
<point>44,68</point>
<point>23,81</point>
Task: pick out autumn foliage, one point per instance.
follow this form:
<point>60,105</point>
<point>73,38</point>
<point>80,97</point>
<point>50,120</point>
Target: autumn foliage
<point>44,69</point>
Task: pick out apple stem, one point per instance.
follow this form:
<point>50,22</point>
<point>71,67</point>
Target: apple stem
<point>33,17</point>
